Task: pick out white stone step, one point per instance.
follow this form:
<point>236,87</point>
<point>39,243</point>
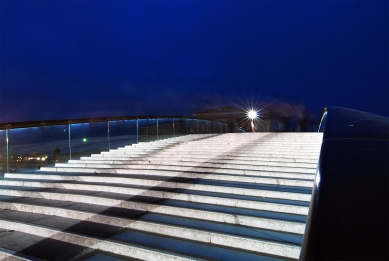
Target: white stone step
<point>249,149</point>
<point>210,163</point>
<point>210,150</point>
<point>102,245</point>
<point>234,219</point>
<point>245,177</point>
<point>259,223</point>
<point>145,171</point>
<point>203,169</point>
<point>227,155</point>
<point>218,239</point>
<point>165,184</point>
<point>277,178</point>
<point>200,158</point>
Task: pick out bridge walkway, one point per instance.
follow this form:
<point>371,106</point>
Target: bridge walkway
<point>242,196</point>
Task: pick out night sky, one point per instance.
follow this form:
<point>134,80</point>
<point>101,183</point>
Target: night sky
<point>78,59</point>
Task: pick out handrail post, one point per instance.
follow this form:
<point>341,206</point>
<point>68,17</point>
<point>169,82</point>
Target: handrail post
<point>174,131</point>
<point>70,144</point>
<point>6,138</point>
<point>137,131</point>
<point>109,141</point>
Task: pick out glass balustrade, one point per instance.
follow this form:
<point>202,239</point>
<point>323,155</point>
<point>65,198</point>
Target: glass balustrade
<point>29,148</point>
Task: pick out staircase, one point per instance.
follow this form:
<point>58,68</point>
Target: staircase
<point>242,196</point>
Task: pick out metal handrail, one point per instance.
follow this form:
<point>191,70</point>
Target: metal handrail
<point>323,120</point>
<point>28,124</point>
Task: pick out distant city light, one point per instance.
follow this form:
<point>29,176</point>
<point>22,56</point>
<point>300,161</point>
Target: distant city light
<point>84,139</point>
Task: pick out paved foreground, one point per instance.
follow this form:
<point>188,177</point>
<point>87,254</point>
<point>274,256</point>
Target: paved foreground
<point>241,196</point>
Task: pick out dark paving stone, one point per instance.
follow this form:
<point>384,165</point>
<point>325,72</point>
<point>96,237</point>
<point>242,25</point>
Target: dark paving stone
<point>64,224</point>
<point>44,248</point>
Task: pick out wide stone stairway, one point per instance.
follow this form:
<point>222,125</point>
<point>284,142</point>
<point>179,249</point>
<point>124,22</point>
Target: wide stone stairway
<point>238,196</point>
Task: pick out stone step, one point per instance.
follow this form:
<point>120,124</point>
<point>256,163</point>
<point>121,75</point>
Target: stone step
<point>212,153</point>
<point>203,169</point>
<point>146,170</point>
<point>190,175</point>
<point>105,245</point>
<point>230,142</point>
<point>151,146</point>
<point>183,233</point>
<point>205,155</point>
<point>288,229</point>
<point>175,185</point>
<point>215,149</point>
<point>127,178</point>
<point>16,246</point>
<point>201,159</point>
<point>265,216</point>
<point>213,163</point>
<point>296,180</point>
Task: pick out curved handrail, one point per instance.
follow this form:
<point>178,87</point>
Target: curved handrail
<point>323,120</point>
<point>348,213</point>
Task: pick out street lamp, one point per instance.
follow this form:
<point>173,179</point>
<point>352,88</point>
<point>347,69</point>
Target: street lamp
<point>252,114</point>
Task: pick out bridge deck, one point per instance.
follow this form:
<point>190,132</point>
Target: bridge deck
<point>238,196</point>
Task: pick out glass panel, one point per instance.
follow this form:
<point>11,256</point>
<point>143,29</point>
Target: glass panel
<point>190,126</point>
<point>32,148</point>
<point>211,127</point>
<point>181,127</point>
<point>3,153</point>
<point>148,130</point>
<point>219,127</point>
<point>176,125</point>
<point>165,128</point>
<point>88,138</point>
<point>195,126</point>
<point>203,127</point>
<point>122,133</point>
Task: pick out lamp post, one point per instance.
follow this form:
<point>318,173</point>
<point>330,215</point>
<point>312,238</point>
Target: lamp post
<point>252,115</point>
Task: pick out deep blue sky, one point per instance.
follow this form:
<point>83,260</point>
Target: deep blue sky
<point>75,59</point>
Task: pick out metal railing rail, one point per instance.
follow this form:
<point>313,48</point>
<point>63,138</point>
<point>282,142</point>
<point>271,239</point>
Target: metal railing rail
<point>26,124</point>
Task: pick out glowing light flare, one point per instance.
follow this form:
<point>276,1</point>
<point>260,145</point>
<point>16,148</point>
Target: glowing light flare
<point>252,114</point>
